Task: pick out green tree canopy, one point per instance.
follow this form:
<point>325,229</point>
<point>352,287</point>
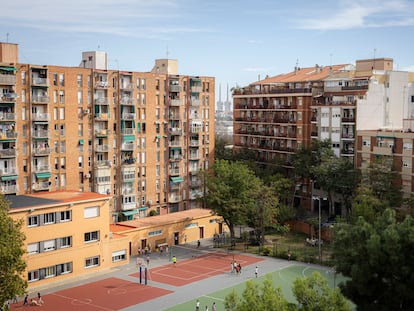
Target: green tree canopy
<point>12,264</point>
<point>378,258</point>
<point>231,191</point>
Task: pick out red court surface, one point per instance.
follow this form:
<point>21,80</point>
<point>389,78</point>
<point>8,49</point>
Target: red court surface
<point>191,270</point>
<point>107,295</point>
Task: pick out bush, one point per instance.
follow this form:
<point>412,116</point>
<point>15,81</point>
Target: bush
<point>153,213</point>
<point>266,251</point>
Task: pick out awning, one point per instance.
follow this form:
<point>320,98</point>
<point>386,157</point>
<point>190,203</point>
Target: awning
<point>130,213</point>
<point>6,178</point>
<point>8,68</point>
<point>176,179</point>
<point>43,175</point>
<point>142,209</point>
<point>81,141</point>
<point>7,140</point>
<point>129,138</point>
<point>175,148</point>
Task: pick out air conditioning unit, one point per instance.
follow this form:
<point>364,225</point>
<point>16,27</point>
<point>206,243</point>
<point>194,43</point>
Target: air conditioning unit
<point>88,175</point>
<point>86,111</point>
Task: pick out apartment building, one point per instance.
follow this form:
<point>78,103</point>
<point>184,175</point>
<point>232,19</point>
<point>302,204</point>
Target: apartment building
<point>142,137</point>
<point>278,115</point>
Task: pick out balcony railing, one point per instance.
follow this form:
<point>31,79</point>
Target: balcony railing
<point>102,101</point>
<point>39,81</point>
<point>7,79</point>
<point>174,198</point>
<point>102,148</point>
<point>102,116</point>
<point>42,168</point>
<point>128,131</point>
<point>40,99</point>
<point>40,134</point>
<point>7,153</point>
<point>101,84</point>
<point>40,186</point>
<point>8,171</point>
<point>128,116</point>
<point>7,116</point>
<point>8,135</point>
<point>40,116</point>
<point>103,164</point>
<point>174,88</point>
<point>128,147</point>
<point>175,131</point>
<point>9,189</point>
<point>42,151</point>
<point>127,101</point>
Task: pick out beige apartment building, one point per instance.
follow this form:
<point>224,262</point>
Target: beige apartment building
<point>141,137</point>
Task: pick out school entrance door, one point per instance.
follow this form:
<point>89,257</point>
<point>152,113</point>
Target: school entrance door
<point>201,232</point>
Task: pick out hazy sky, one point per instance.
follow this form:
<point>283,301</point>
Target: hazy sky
<point>234,41</point>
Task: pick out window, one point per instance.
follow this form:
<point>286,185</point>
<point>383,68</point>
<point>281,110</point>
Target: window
<point>64,268</point>
<point>79,78</point>
<point>49,272</point>
<point>408,146</point>
<point>90,212</point>
<point>33,221</point>
<point>49,245</point>
<point>61,113</point>
<point>65,242</point>
<point>33,276</point>
<point>65,216</point>
<point>154,233</point>
<point>118,256</point>
<point>80,97</point>
<point>62,97</point>
<point>33,248</point>
<point>62,79</point>
<point>366,142</point>
<point>91,236</point>
<point>92,262</point>
<point>49,218</point>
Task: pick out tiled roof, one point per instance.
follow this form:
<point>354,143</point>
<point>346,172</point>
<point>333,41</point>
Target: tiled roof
<point>303,74</point>
<point>161,219</point>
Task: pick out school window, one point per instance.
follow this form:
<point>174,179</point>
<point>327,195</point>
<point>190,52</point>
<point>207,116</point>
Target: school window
<point>49,218</point>
<point>49,245</point>
<point>62,79</point>
<point>79,79</point>
<point>33,248</point>
<point>90,212</point>
<point>92,262</point>
<point>119,256</point>
<point>33,221</point>
<point>91,236</point>
<point>80,97</point>
<point>33,276</point>
<point>65,216</point>
<point>64,268</point>
<point>49,272</point>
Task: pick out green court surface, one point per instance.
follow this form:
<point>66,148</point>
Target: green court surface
<point>282,279</point>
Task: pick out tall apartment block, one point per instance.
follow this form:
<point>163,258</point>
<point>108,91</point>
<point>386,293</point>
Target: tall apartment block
<point>279,114</point>
<point>141,136</point>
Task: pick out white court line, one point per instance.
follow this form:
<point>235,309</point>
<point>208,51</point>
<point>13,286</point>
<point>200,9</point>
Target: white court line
<point>77,300</point>
<point>215,298</point>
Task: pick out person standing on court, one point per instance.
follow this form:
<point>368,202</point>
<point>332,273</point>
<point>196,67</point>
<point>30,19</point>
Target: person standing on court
<point>213,307</point>
<point>198,305</point>
<point>174,260</point>
<point>148,260</point>
<point>39,299</point>
<point>198,243</point>
<point>256,271</point>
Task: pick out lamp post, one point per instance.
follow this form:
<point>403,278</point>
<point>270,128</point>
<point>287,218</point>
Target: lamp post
<point>319,226</point>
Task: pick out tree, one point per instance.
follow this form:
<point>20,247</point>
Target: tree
<point>262,298</point>
<point>12,264</point>
<point>220,150</point>
<point>383,180</point>
<point>313,293</point>
<point>366,205</point>
<point>379,261</point>
<point>231,190</point>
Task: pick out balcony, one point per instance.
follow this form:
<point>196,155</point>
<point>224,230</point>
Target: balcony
<point>7,116</point>
<point>174,88</point>
<point>194,143</point>
<point>174,171</point>
<point>102,116</point>
<point>174,143</point>
<point>44,168</point>
<point>8,98</point>
<point>9,189</point>
<point>173,198</point>
<point>41,134</point>
<point>8,135</point>
<point>194,156</point>
<point>128,147</point>
<point>129,161</point>
<point>42,99</point>
<point>101,148</point>
<point>195,101</point>
<point>128,116</point>
<point>41,151</point>
<point>7,153</point>
<point>101,132</point>
<point>175,158</point>
<point>8,171</point>
<point>127,101</point>
<point>40,81</point>
<point>127,86</point>
<point>196,89</point>
<point>102,101</point>
<point>7,79</point>
<point>101,84</point>
<point>41,186</point>
<point>40,116</point>
<point>128,131</point>
<point>128,176</point>
<point>103,164</point>
<point>176,102</point>
<point>175,131</point>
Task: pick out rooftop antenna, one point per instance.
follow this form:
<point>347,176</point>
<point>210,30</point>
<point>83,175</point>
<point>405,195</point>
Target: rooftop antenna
<point>99,47</point>
<point>167,52</point>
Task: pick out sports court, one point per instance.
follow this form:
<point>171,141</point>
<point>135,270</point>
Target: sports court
<point>282,278</point>
<point>197,268</point>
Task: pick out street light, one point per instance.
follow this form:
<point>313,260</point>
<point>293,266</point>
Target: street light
<point>320,227</point>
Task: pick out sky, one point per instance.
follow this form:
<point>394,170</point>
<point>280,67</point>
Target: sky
<point>237,42</point>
